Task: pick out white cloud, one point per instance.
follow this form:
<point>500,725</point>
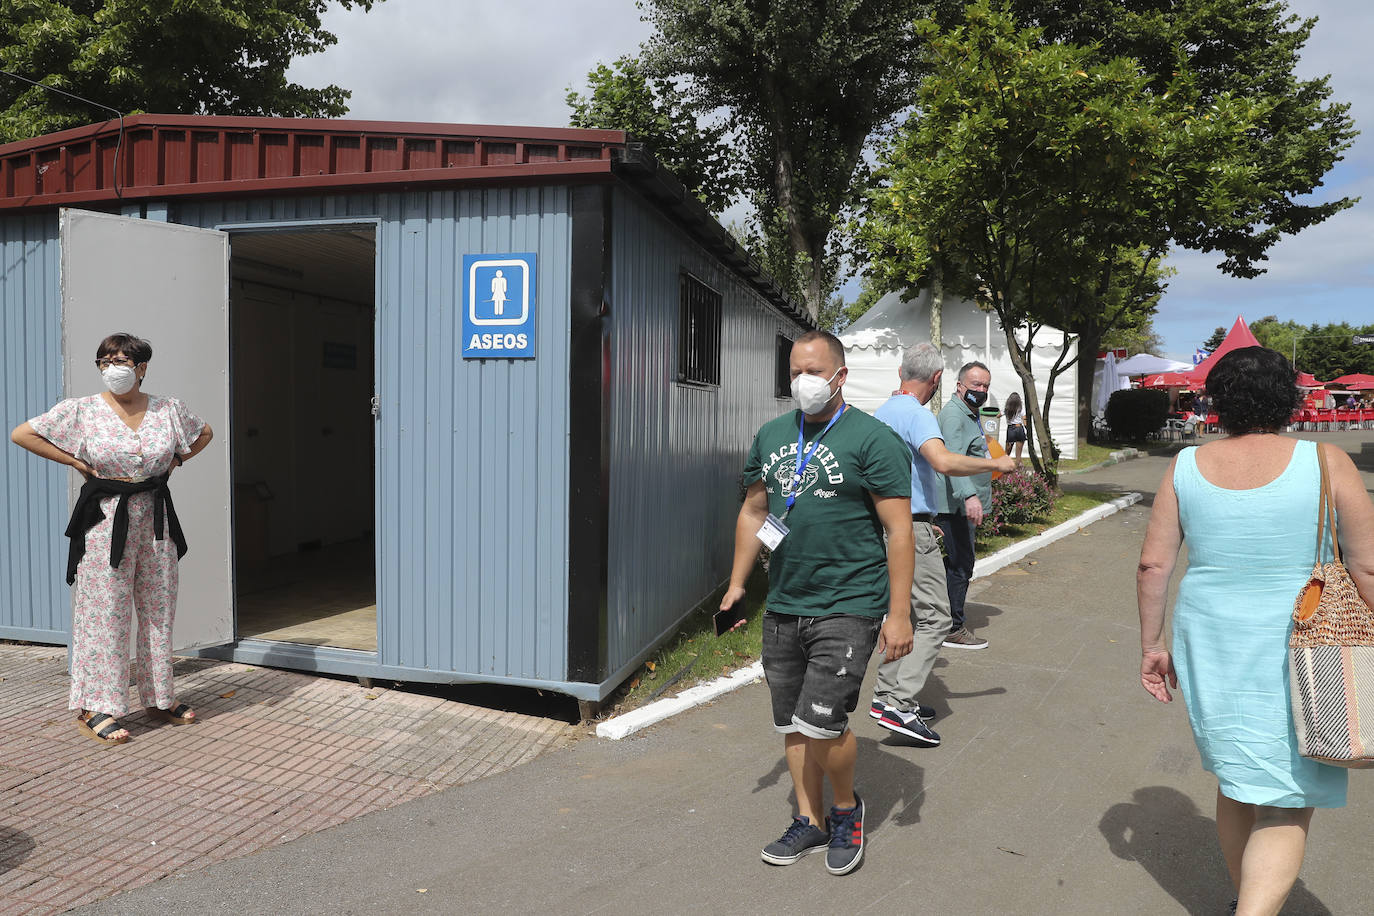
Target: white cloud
<point>512,62</point>
<point>473,63</point>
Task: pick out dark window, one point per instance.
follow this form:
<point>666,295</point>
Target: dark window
<point>782,368</point>
<point>698,336</point>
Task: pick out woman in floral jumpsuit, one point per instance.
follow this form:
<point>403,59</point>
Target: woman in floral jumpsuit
<point>121,434</point>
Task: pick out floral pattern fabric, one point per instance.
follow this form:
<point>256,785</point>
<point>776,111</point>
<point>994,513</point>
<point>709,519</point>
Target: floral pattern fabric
<point>105,599</point>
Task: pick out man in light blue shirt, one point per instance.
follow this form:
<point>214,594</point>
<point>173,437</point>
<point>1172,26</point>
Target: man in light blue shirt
<point>894,704</point>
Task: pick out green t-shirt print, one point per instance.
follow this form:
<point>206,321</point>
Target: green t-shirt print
<point>833,560</point>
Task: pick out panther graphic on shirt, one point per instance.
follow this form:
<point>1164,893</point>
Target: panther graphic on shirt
<point>780,468</point>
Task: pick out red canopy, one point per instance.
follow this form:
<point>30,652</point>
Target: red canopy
<point>1166,380</point>
<point>1239,336</point>
<point>1356,380</point>
<point>1308,380</point>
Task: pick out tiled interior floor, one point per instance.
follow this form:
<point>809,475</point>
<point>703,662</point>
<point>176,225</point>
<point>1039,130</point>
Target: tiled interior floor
<point>325,597</point>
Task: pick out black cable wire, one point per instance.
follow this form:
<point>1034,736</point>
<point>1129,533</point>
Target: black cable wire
<point>119,142</point>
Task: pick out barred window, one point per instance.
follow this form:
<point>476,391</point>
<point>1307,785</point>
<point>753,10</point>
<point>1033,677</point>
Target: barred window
<point>698,339</point>
<point>782,368</point>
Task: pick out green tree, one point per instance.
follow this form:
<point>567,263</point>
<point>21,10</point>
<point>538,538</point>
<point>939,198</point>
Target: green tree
<point>1328,351</point>
<point>167,56</point>
<point>803,87</point>
<point>837,314</point>
<point>1275,334</point>
<point>1045,179</point>
<point>624,96</point>
<point>1215,340</point>
<point>1142,338</point>
<point>1203,139</point>
<point>1247,49</point>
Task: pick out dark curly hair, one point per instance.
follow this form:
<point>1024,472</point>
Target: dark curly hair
<point>1254,390</point>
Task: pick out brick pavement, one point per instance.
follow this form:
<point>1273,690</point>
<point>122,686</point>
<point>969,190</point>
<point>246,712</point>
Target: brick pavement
<point>276,755</point>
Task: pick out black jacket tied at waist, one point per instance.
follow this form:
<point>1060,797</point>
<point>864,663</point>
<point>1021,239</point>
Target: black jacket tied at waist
<point>88,514</point>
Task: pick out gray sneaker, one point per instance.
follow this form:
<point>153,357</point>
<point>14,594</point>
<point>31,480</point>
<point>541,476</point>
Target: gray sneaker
<point>878,707</point>
<point>846,838</point>
<point>801,838</point>
<point>963,639</point>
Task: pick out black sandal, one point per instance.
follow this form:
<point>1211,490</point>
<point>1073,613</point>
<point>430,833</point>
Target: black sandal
<point>98,726</point>
<point>176,716</point>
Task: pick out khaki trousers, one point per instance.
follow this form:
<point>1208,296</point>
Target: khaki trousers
<point>901,681</point>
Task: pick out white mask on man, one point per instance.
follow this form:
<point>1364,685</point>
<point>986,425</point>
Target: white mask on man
<point>119,379</point>
<point>813,392</point>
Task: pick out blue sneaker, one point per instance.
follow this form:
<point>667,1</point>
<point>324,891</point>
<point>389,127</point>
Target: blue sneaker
<point>910,724</point>
<point>846,838</point>
<point>802,838</point>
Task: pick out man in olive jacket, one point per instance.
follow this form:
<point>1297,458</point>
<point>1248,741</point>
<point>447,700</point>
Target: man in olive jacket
<point>963,500</point>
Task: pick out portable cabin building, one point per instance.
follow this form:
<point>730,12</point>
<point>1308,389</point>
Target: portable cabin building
<point>482,393</point>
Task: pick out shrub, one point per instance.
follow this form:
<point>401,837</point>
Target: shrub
<point>1137,414</point>
<point>1018,498</point>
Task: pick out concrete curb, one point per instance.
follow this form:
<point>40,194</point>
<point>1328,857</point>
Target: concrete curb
<point>652,713</point>
<point>1021,549</point>
<point>1125,454</point>
<point>644,716</point>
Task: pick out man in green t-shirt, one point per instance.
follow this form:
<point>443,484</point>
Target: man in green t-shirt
<point>826,484</point>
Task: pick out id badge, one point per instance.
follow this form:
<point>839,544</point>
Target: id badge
<point>772,532</point>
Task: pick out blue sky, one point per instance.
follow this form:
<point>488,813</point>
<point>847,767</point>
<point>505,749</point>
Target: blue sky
<point>511,63</point>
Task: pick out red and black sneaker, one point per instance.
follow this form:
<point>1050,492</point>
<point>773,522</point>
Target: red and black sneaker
<point>846,838</point>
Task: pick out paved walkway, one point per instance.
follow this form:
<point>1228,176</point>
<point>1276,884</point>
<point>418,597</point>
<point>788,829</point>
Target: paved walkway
<point>277,755</point>
<point>1061,788</point>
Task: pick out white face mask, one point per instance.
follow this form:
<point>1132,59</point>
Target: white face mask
<point>119,379</point>
<point>813,392</point>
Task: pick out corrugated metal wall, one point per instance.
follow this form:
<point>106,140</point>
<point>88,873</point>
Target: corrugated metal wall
<point>34,600</point>
<point>472,456</point>
<point>676,450</point>
<point>472,464</point>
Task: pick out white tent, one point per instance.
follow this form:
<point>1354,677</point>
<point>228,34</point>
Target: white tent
<point>1148,364</point>
<point>873,350</point>
<point>1106,379</point>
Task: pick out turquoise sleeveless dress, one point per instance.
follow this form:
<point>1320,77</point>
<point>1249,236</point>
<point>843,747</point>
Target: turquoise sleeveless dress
<point>1249,553</point>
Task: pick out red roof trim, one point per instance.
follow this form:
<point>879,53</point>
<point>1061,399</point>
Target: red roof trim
<point>319,125</point>
<point>183,155</point>
<point>364,181</point>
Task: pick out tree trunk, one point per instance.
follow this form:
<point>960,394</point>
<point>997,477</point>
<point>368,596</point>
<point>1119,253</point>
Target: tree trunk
<point>937,302</point>
<point>797,242</point>
<point>1049,465</point>
<point>1089,344</point>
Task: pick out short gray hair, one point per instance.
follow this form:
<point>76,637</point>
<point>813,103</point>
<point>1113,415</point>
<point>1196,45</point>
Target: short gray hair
<point>920,363</point>
<point>963,370</point>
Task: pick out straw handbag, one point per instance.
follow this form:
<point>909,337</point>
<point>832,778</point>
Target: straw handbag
<point>1331,657</point>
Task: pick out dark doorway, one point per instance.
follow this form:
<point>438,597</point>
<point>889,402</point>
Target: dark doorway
<point>302,339</point>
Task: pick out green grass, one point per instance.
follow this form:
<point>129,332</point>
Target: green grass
<point>696,654</point>
<point>1093,453</point>
<point>1066,507</point>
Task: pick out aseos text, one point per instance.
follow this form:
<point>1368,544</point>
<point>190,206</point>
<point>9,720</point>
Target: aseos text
<point>499,342</point>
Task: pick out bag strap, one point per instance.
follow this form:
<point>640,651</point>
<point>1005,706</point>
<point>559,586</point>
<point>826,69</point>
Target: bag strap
<point>1326,509</point>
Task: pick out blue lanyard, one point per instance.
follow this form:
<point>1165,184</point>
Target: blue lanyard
<point>803,461</point>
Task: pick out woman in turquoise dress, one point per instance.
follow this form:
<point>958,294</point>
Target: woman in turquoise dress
<point>1246,505</point>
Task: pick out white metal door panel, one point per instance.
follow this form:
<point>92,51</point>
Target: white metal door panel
<point>170,285</point>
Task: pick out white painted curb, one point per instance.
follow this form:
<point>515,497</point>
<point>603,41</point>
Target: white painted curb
<point>1003,558</point>
<point>644,716</point>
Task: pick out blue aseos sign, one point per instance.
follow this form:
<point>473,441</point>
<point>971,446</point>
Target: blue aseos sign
<point>498,306</point>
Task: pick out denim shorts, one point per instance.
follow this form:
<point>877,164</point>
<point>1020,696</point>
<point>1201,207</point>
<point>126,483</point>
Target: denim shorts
<point>815,669</point>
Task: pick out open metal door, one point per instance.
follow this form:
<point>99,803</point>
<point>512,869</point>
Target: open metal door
<point>170,285</point>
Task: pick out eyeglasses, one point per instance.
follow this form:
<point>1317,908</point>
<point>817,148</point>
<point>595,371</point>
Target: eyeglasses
<point>106,362</point>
